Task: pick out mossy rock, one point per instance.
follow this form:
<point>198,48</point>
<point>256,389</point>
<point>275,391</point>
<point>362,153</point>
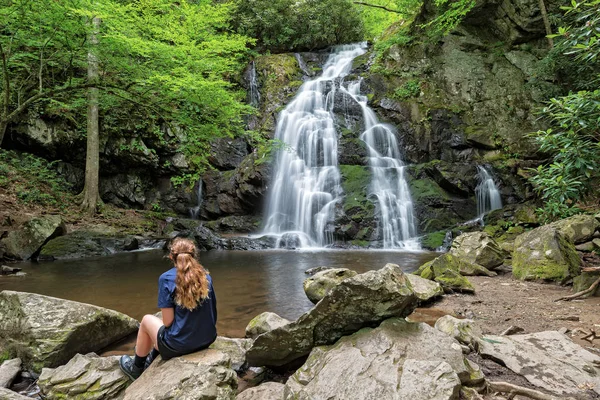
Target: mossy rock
<point>426,189</point>
<point>434,240</point>
<point>355,182</point>
<point>448,271</point>
<point>452,281</point>
<point>579,228</point>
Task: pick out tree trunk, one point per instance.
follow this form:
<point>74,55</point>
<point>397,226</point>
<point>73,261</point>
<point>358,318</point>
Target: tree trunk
<point>546,22</point>
<point>3,126</point>
<point>90,192</point>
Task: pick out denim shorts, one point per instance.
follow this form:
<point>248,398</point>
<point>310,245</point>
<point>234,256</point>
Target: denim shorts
<point>166,352</point>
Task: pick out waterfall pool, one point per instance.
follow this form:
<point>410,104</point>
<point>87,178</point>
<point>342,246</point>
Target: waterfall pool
<point>247,283</point>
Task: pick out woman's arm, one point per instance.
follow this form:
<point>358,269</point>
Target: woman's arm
<point>168,315</point>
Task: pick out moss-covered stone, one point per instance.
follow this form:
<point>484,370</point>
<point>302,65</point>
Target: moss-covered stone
<point>426,189</point>
<point>585,281</point>
<point>454,282</point>
<point>448,271</point>
<point>433,241</point>
<point>356,206</point>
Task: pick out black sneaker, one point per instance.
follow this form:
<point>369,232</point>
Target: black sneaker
<point>153,354</point>
<point>129,368</point>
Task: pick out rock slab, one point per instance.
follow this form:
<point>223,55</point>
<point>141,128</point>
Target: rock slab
<point>478,248</point>
<point>266,391</point>
<point>27,241</point>
<point>204,375</point>
<point>85,377</point>
<point>6,394</point>
<point>8,371</point>
<point>549,360</point>
<point>397,360</point>
<point>322,282</point>
<point>263,323</point>
<point>363,300</point>
<point>47,332</point>
<point>578,228</point>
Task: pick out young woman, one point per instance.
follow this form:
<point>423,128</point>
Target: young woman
<point>189,312</point>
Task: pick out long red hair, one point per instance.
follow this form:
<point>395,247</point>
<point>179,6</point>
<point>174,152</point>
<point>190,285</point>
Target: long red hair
<point>191,283</point>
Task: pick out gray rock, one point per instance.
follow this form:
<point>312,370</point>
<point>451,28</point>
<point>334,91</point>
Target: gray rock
<point>586,247</point>
<point>204,375</point>
<point>8,371</point>
<point>47,332</point>
<point>6,394</point>
<point>549,360</point>
<point>363,300</point>
<point>579,228</point>
<point>463,330</point>
<point>397,360</point>
<point>6,270</point>
<point>478,248</point>
<point>266,391</point>
<point>235,348</point>
<point>85,377</point>
<point>425,289</point>
<point>322,282</point>
<point>33,234</point>
<point>545,253</point>
<point>263,323</point>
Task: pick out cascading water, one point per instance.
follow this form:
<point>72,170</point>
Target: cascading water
<point>488,196</point>
<point>195,211</point>
<point>253,93</point>
<point>306,180</point>
<point>389,187</point>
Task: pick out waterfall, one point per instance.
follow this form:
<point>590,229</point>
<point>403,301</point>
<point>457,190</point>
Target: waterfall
<point>195,211</point>
<point>253,93</point>
<point>306,180</point>
<point>389,187</point>
<point>488,196</point>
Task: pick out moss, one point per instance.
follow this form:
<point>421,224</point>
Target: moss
<point>355,182</point>
<point>433,240</point>
<point>360,243</point>
<point>454,281</point>
<point>4,355</point>
<point>421,189</point>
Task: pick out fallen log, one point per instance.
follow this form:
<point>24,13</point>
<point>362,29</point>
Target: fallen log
<point>591,289</point>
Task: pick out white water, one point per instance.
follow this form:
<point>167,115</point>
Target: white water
<point>253,93</point>
<point>488,196</point>
<point>389,187</point>
<point>195,211</point>
<point>306,180</point>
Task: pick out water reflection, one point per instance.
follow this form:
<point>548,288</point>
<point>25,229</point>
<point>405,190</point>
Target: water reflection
<point>246,283</point>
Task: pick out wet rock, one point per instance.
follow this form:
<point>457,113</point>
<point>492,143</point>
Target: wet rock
<point>235,348</point>
<point>46,331</point>
<point>549,360</point>
<point>317,286</point>
<point>397,360</point>
<point>226,153</point>
<point>206,374</point>
<point>8,371</point>
<point>266,391</point>
<point>362,300</point>
<point>579,228</point>
<point>82,244</point>
<point>26,242</point>
<point>425,289</point>
<point>463,330</point>
<point>85,377</point>
<point>205,238</point>
<point>263,323</point>
<point>250,243</point>
<point>545,253</point>
<point>6,270</point>
<point>6,394</point>
<point>478,248</point>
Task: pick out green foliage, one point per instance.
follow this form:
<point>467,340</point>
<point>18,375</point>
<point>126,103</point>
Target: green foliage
<point>572,140</point>
<point>411,88</point>
<point>450,14</point>
<point>290,25</point>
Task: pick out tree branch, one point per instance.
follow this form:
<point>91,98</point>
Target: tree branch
<point>360,3</point>
<point>505,387</point>
<point>591,289</point>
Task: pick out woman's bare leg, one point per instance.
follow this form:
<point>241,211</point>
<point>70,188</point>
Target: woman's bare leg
<point>147,335</point>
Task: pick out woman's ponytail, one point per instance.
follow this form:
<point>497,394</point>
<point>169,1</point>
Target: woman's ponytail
<point>191,283</point>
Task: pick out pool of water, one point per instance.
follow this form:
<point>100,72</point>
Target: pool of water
<point>246,283</point>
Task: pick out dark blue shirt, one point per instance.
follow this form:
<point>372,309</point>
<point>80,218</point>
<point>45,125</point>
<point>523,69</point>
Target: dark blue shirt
<point>190,330</point>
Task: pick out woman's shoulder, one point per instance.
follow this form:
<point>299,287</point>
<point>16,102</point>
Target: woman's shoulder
<point>168,275</point>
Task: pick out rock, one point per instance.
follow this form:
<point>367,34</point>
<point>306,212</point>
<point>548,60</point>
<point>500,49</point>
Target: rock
<point>549,360</point>
<point>8,371</point>
<point>544,253</point>
<point>397,360</point>
<point>82,244</point>
<point>235,348</point>
<point>322,282</point>
<point>448,271</point>
<point>312,271</point>
<point>85,377</point>
<point>596,243</point>
<point>463,330</point>
<point>206,374</point>
<point>27,241</point>
<point>227,153</point>
<point>579,228</point>
<point>253,376</point>
<point>266,391</point>
<point>478,248</point>
<point>362,300</point>
<point>425,289</point>
<point>6,394</point>
<point>586,247</point>
<point>263,323</point>
<point>6,270</point>
<point>250,243</point>
<point>585,281</point>
<point>46,332</point>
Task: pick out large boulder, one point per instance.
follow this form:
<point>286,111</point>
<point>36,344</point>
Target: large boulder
<point>363,300</point>
<point>235,348</point>
<point>85,377</point>
<point>579,228</point>
<point>545,253</point>
<point>478,248</point>
<point>204,375</point>
<point>463,330</point>
<point>425,289</point>
<point>6,394</point>
<point>263,323</point>
<point>322,282</point>
<point>81,244</point>
<point>397,360</point>
<point>8,371</point>
<point>46,332</point>
<point>549,360</point>
<point>449,270</point>
<point>26,242</point>
<point>266,391</point>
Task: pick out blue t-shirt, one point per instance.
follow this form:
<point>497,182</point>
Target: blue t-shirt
<point>190,330</point>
